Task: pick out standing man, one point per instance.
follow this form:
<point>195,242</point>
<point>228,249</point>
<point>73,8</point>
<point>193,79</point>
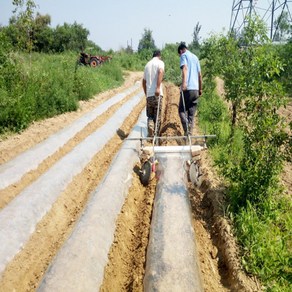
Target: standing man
<point>152,86</point>
<point>191,88</point>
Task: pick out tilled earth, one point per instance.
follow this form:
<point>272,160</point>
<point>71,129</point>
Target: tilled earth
<point>217,251</point>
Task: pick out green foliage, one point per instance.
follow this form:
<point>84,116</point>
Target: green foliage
<point>130,61</point>
<point>214,117</point>
<point>171,59</point>
<point>11,34</point>
<point>285,53</point>
<point>10,77</point>
<point>194,46</point>
<point>283,27</point>
<point>211,57</point>
<point>89,82</point>
<point>137,61</point>
<point>24,23</point>
<point>69,37</point>
<point>33,33</point>
<point>147,42</point>
<point>262,127</point>
<point>47,85</point>
<point>5,49</point>
<point>266,238</point>
<point>93,49</point>
<point>252,152</point>
<point>254,34</point>
<point>146,55</point>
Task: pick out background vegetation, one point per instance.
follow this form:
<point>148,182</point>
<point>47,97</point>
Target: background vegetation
<point>251,147</point>
<point>39,78</point>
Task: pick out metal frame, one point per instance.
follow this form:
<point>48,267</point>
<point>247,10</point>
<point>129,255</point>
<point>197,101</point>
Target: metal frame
<point>190,146</point>
<point>268,12</point>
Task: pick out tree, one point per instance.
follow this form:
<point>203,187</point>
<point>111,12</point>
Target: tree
<point>285,53</point>
<point>30,32</point>
<point>251,75</point>
<point>147,41</point>
<point>70,37</point>
<point>42,33</point>
<point>283,29</point>
<point>195,45</point>
<point>254,34</point>
<point>171,60</point>
<point>92,48</point>
<point>24,22</point>
<point>129,49</point>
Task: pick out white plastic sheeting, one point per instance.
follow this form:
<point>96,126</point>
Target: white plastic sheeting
<point>80,264</point>
<point>174,149</point>
<point>13,170</point>
<point>172,263</point>
<point>18,219</point>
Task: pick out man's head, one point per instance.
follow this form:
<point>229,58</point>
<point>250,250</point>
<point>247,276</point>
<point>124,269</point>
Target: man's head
<point>156,53</point>
<point>181,48</point>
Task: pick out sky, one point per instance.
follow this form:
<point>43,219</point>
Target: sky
<point>115,24</point>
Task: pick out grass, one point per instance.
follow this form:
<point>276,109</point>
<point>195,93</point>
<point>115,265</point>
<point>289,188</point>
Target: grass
<point>266,241</point>
<point>39,86</point>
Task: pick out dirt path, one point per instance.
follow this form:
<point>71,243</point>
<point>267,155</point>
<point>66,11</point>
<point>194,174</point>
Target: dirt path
<point>216,246</point>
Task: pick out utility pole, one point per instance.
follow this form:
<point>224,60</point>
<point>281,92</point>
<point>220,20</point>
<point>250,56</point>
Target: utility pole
<point>268,10</point>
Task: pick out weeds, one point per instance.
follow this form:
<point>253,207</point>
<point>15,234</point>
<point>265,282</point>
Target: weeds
<point>42,86</point>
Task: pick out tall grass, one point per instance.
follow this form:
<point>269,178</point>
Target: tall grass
<point>131,62</point>
<point>266,238</point>
<point>39,86</point>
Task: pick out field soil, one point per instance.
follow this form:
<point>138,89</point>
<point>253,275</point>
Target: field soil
<point>216,245</point>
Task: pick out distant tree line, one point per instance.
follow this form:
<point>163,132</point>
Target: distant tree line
<point>40,37</point>
<point>30,31</point>
<point>147,41</point>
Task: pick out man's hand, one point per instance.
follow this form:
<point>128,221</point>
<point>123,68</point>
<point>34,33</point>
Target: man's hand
<point>144,86</point>
<point>184,86</point>
<point>157,92</point>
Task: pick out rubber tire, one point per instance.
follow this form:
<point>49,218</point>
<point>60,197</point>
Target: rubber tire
<point>194,173</point>
<point>145,173</point>
<point>94,62</point>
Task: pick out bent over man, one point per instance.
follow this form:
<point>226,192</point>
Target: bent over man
<point>152,86</point>
<point>191,88</point>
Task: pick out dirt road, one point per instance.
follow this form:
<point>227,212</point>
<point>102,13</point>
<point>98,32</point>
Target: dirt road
<point>125,268</point>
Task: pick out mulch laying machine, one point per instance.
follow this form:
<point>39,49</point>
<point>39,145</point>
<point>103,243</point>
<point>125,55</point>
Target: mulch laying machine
<point>150,149</point>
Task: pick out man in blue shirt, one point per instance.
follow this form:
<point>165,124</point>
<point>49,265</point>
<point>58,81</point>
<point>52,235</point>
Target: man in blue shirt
<point>191,88</point>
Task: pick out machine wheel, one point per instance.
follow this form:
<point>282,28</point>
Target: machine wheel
<point>94,62</point>
<point>195,173</point>
<point>145,173</point>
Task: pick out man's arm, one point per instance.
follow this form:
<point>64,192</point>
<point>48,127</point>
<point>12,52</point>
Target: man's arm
<point>159,81</point>
<point>184,77</point>
<point>200,84</point>
<point>144,86</point>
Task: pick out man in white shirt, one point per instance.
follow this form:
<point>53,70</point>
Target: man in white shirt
<point>152,86</point>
